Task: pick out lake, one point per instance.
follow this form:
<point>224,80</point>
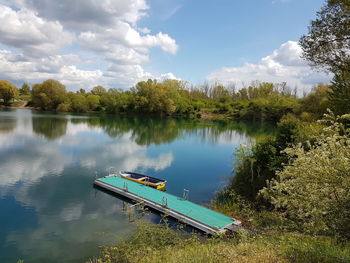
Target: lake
<point>49,210</point>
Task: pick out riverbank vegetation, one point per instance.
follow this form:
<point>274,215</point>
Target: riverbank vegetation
<point>257,102</point>
<point>158,243</point>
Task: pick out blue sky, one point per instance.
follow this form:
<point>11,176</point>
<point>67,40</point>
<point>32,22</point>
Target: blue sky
<point>213,34</point>
<point>117,43</point>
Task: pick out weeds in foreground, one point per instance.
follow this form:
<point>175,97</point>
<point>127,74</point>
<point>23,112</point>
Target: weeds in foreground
<point>159,243</point>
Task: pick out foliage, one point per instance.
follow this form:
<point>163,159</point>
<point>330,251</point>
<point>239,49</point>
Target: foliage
<point>316,102</point>
<point>327,43</point>
<point>98,90</point>
<point>313,189</point>
<point>93,101</point>
<point>25,89</point>
<point>78,102</point>
<point>155,97</point>
<point>327,46</point>
<point>260,101</point>
<point>259,163</point>
<point>268,109</point>
<point>339,94</point>
<point>49,94</point>
<point>8,92</point>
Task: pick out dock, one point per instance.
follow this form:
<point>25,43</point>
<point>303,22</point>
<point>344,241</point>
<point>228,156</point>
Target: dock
<point>187,212</point>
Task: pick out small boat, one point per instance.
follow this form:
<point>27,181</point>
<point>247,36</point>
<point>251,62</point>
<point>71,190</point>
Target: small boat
<point>157,183</point>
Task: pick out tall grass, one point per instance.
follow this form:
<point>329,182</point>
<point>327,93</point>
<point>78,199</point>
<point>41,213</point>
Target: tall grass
<point>158,243</point>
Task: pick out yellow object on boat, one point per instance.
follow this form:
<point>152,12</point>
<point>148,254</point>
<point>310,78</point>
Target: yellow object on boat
<point>157,183</point>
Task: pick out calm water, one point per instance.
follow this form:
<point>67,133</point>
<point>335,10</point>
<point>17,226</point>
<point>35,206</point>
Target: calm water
<point>49,211</point>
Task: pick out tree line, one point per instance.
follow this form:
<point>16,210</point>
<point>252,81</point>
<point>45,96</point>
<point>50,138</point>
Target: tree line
<point>258,101</point>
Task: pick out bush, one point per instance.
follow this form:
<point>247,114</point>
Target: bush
<point>313,189</point>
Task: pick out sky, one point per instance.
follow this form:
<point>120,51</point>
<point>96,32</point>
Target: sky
<point>116,43</point>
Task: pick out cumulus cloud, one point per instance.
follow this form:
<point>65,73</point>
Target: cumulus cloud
<point>84,14</point>
<point>40,38</point>
<point>21,67</point>
<point>34,35</point>
<point>168,75</point>
<point>126,75</point>
<point>124,44</point>
<point>283,65</point>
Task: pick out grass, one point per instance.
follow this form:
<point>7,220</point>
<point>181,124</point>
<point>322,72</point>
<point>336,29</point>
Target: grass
<point>157,243</point>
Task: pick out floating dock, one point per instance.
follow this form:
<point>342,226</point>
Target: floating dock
<point>197,216</point>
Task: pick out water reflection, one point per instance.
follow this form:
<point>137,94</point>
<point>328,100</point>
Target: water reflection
<point>51,212</point>
<point>71,222</point>
<point>146,131</point>
<point>51,127</point>
<point>7,124</point>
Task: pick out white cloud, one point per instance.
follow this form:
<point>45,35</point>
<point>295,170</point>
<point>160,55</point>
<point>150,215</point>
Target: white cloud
<point>127,75</point>
<point>283,65</point>
<point>38,34</point>
<point>32,34</point>
<point>60,67</point>
<point>84,14</point>
<point>124,44</point>
<point>74,77</point>
<point>166,76</point>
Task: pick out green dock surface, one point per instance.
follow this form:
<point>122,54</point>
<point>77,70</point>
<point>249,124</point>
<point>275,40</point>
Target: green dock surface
<point>177,204</point>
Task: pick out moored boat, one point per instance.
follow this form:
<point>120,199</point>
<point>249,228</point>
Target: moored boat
<point>154,182</point>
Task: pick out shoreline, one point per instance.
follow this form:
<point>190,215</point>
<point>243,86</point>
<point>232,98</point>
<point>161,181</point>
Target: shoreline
<point>204,115</point>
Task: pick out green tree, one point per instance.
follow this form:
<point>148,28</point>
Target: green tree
<point>219,92</point>
<point>114,91</point>
<point>79,102</point>
<point>155,97</point>
<point>81,91</point>
<point>98,90</point>
<point>327,43</point>
<point>64,107</point>
<point>316,102</point>
<point>25,89</point>
<point>93,101</point>
<point>8,92</point>
<point>49,94</point>
<point>339,94</point>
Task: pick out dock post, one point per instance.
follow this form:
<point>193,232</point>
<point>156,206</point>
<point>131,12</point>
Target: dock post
<point>125,186</point>
<point>185,194</point>
<point>164,201</point>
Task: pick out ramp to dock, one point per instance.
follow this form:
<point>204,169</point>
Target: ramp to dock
<point>190,213</point>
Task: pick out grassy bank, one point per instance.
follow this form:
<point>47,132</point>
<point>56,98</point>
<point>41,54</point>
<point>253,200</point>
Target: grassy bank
<point>156,243</point>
